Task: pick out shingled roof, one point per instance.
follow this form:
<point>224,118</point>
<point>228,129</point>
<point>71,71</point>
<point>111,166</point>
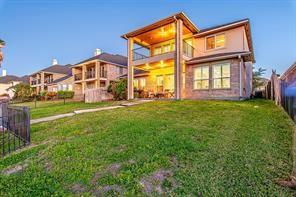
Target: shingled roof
<point>61,69</point>
<point>10,78</point>
<point>110,58</point>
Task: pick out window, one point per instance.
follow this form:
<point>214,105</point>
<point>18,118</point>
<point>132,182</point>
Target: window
<point>159,82</point>
<point>166,48</point>
<point>157,50</point>
<point>215,42</point>
<point>142,83</point>
<point>70,87</point>
<point>136,84</point>
<point>201,78</point>
<point>221,76</point>
<point>169,85</point>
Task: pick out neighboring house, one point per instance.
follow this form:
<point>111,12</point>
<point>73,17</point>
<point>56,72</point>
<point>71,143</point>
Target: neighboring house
<point>40,80</point>
<point>8,81</point>
<point>64,83</point>
<point>289,76</point>
<point>182,61</point>
<point>2,43</point>
<point>98,71</point>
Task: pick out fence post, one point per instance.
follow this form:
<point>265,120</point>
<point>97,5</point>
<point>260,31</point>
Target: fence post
<point>28,126</point>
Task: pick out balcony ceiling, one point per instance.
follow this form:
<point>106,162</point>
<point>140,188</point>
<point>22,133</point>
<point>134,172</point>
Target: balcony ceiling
<point>161,34</point>
<point>156,65</point>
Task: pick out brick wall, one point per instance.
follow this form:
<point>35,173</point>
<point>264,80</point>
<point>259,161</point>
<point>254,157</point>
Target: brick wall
<point>232,93</point>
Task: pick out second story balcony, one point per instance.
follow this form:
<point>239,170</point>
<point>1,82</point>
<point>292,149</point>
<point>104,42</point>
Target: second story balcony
<point>35,82</point>
<point>90,74</point>
<point>78,77</point>
<point>103,74</point>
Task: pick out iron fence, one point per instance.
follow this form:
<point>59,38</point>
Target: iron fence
<point>14,127</point>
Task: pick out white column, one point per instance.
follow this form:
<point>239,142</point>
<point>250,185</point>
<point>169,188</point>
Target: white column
<point>178,59</point>
<point>130,69</point>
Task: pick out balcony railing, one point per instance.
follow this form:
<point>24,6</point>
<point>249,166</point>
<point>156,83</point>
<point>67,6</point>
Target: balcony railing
<point>90,74</point>
<point>35,82</point>
<point>78,77</point>
<point>49,80</point>
<point>188,50</point>
<point>146,52</point>
<point>103,74</point>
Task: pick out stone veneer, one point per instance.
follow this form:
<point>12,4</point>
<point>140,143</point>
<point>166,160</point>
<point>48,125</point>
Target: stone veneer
<point>231,93</point>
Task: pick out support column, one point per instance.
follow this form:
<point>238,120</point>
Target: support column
<point>178,59</point>
<point>97,83</point>
<point>130,69</point>
<point>83,83</point>
<point>42,81</point>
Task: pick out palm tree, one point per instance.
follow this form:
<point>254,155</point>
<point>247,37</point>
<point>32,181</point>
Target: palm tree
<point>2,43</point>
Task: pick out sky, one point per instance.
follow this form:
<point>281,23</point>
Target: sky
<point>36,31</point>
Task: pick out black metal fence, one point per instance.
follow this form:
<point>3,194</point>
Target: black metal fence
<point>14,127</point>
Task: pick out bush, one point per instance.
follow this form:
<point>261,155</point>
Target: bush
<point>65,94</point>
<point>118,89</point>
<point>51,95</point>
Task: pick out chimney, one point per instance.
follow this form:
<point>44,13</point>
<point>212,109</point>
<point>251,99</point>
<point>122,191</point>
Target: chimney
<point>4,72</point>
<point>54,62</point>
<point>97,52</point>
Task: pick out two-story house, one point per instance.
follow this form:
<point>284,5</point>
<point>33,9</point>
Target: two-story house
<point>2,43</point>
<point>40,80</point>
<point>179,60</point>
<point>98,71</point>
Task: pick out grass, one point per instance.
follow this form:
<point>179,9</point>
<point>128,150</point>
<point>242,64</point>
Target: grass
<point>214,148</point>
<point>50,108</point>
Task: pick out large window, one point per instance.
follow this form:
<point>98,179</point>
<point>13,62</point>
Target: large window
<point>221,76</point>
<point>159,82</point>
<point>142,83</point>
<point>215,41</point>
<point>201,78</point>
<point>157,50</point>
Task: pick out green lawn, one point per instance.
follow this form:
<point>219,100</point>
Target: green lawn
<point>182,148</point>
<point>50,108</point>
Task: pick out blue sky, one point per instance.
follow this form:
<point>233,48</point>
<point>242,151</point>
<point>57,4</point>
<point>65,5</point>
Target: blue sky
<point>38,30</point>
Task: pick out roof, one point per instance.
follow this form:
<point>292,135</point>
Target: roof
<point>231,24</point>
<point>110,58</point>
<point>289,70</point>
<point>218,56</point>
<point>61,69</point>
<point>10,78</point>
<point>181,15</point>
<point>60,79</point>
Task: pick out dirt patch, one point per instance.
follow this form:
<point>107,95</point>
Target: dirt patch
<point>15,169</point>
<point>159,182</point>
<point>289,182</point>
<point>78,188</point>
<point>114,168</point>
<point>96,177</point>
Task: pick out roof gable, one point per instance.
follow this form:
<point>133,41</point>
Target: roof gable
<point>110,58</point>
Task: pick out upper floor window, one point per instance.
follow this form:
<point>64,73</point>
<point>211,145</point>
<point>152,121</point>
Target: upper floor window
<point>215,42</point>
<point>157,50</point>
<point>221,76</point>
<point>120,70</point>
<point>201,78</point>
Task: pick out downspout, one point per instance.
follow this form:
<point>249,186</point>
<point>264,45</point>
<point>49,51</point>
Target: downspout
<point>240,77</point>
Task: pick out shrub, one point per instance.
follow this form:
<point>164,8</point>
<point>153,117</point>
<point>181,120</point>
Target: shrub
<point>22,92</point>
<point>118,89</point>
<point>65,94</point>
<point>51,95</point>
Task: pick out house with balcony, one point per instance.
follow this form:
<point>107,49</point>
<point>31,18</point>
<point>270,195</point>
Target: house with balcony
<point>98,71</point>
<point>173,58</point>
<point>40,80</point>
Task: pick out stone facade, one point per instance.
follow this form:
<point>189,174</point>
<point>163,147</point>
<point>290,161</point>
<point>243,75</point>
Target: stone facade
<point>232,93</point>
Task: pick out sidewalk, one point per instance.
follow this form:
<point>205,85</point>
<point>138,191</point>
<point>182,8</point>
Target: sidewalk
<point>51,118</point>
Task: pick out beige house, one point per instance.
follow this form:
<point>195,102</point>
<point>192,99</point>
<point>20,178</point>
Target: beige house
<point>97,72</point>
<point>40,80</point>
<point>64,83</point>
<point>8,81</point>
<point>178,60</point>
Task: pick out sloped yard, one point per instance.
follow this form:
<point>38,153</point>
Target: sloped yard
<point>178,148</point>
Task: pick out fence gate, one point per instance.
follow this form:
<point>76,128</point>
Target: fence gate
<point>14,127</point>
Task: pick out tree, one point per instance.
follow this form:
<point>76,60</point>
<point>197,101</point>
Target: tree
<point>257,78</point>
<point>22,92</point>
<point>118,89</point>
